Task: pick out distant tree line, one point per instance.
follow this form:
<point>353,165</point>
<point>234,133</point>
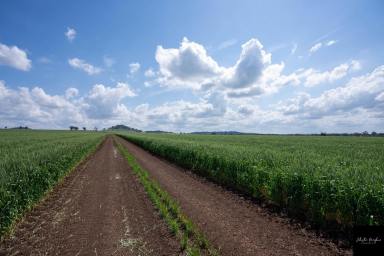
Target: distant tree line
<point>365,133</point>
<point>18,127</point>
<point>75,128</point>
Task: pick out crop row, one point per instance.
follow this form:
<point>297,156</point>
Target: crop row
<point>32,162</point>
<point>325,180</point>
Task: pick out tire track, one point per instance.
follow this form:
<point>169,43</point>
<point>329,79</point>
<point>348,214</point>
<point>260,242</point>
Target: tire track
<point>99,209</point>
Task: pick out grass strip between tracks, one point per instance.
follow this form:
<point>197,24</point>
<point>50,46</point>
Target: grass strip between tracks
<point>191,239</point>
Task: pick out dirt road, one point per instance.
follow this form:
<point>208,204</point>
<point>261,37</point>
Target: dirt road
<point>99,209</point>
<point>102,209</point>
<point>232,224</point>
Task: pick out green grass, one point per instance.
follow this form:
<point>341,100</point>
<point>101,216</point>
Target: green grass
<point>32,162</point>
<point>191,239</point>
<point>327,180</point>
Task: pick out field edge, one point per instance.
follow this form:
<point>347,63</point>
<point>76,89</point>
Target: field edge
<point>8,231</point>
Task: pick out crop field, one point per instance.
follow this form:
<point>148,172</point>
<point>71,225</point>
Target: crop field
<point>32,162</point>
<point>327,180</point>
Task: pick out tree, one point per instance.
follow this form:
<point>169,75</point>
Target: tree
<point>84,128</point>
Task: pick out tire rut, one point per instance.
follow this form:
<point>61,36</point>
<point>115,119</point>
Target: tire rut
<point>99,209</point>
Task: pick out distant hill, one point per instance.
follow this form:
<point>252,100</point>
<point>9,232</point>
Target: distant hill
<point>124,128</point>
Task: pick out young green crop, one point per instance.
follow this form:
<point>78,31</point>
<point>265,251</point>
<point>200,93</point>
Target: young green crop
<point>191,239</point>
<point>325,179</point>
<point>32,162</point>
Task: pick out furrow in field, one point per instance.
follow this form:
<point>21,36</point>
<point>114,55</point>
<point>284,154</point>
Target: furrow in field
<point>99,209</point>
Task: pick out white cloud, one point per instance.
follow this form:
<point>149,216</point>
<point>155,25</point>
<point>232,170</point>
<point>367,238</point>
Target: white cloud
<point>134,67</point>
<point>149,73</point>
<point>84,66</point>
<point>34,107</point>
<point>320,45</point>
<point>104,102</point>
<point>355,65</point>
<point>356,106</point>
<point>360,92</point>
<point>331,42</point>
<point>70,34</point>
<point>294,48</point>
<point>225,98</point>
<point>313,77</point>
<point>249,67</point>
<point>71,93</point>
<point>190,66</point>
<point>315,47</point>
<point>380,97</point>
<point>14,57</point>
<point>252,75</point>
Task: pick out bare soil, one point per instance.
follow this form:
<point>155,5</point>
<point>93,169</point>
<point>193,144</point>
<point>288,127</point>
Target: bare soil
<point>99,209</point>
<point>233,224</point>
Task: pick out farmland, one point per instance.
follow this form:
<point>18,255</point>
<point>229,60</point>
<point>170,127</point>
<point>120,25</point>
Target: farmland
<point>327,180</point>
<point>32,162</point>
<point>122,191</point>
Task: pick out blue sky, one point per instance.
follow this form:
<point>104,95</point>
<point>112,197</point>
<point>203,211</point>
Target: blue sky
<point>260,66</point>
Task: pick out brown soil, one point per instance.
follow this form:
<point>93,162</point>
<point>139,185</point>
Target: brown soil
<point>234,225</point>
<point>99,209</point>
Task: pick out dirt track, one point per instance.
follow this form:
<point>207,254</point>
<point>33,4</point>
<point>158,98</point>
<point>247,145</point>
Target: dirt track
<point>234,225</point>
<point>102,209</point>
<point>99,209</point>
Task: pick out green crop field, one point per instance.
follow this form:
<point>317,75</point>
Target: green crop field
<point>327,180</point>
<point>32,162</point>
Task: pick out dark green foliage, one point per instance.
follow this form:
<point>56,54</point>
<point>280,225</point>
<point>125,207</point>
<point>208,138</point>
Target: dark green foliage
<point>32,162</point>
<point>325,179</point>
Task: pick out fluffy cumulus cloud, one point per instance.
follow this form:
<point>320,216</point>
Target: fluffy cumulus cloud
<point>190,66</point>
<point>71,93</point>
<point>363,92</point>
<point>236,97</point>
<point>149,73</point>
<point>311,77</point>
<point>35,108</point>
<point>14,57</point>
<point>84,66</point>
<point>249,67</point>
<point>70,34</point>
<point>104,102</point>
